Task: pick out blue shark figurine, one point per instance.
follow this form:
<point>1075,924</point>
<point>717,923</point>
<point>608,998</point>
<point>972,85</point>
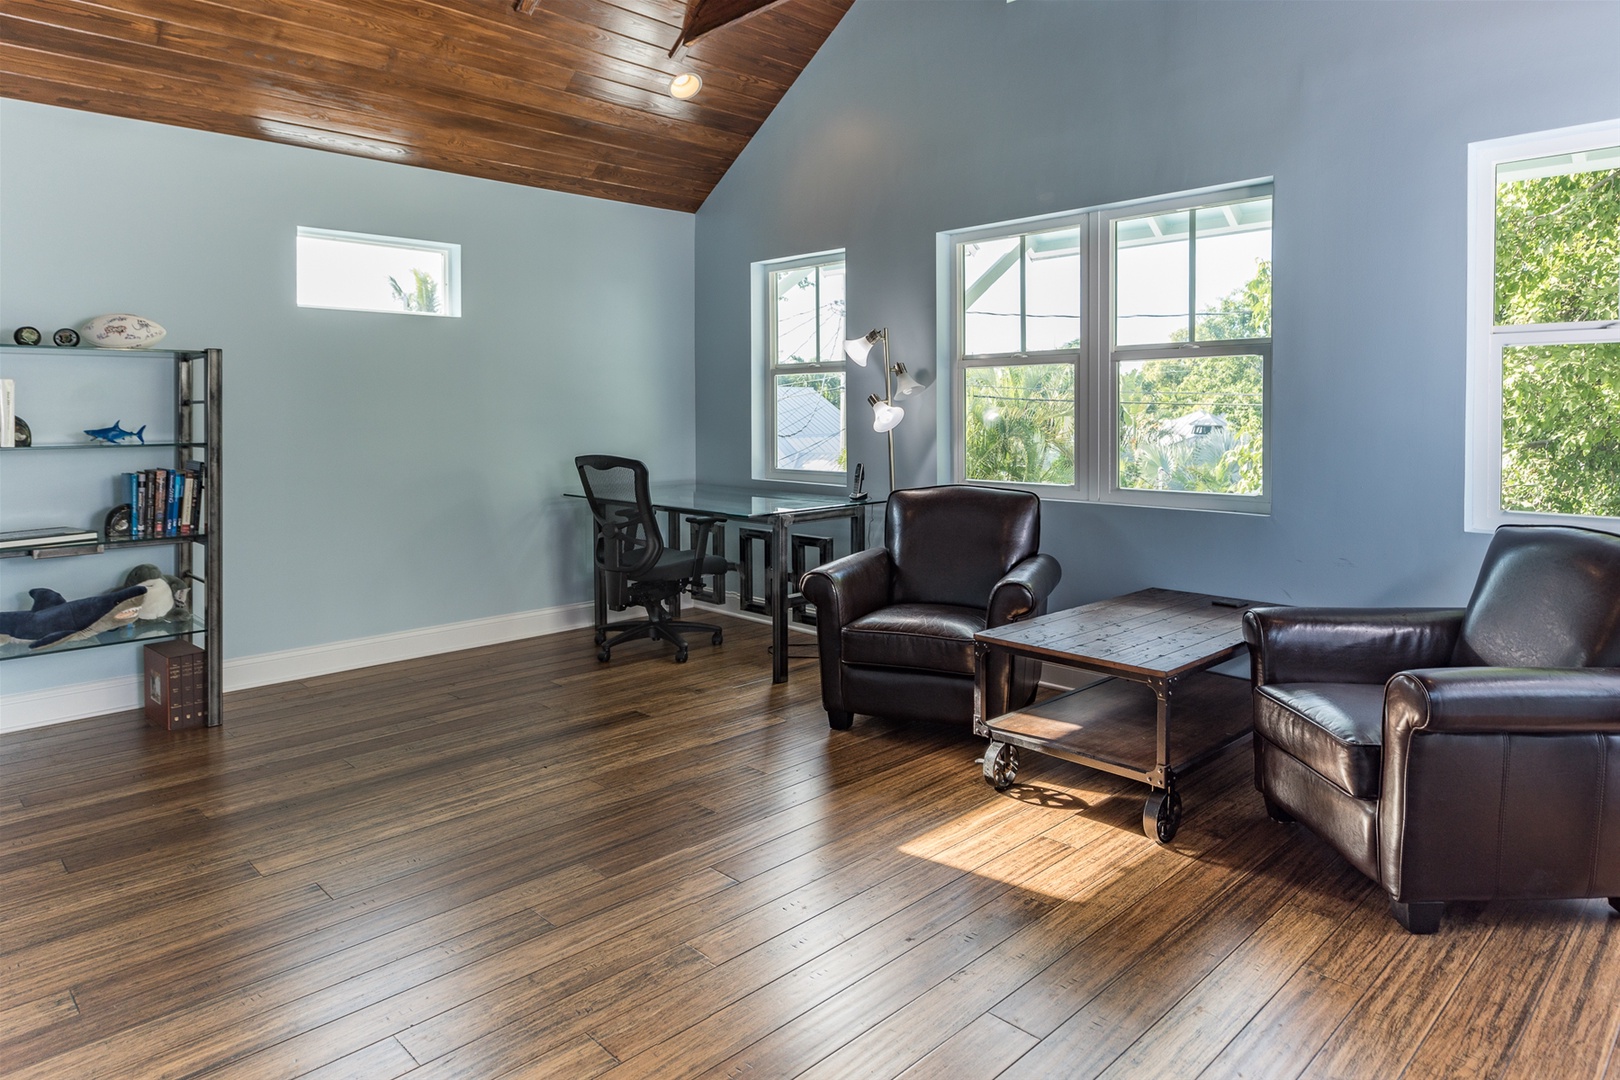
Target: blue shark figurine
<point>116,434</point>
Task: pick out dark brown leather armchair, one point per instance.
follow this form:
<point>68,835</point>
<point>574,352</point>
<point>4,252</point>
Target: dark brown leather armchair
<point>896,623</point>
<point>1456,754</point>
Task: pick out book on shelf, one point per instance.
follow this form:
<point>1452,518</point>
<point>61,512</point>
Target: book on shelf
<point>188,498</point>
<point>165,503</point>
<point>51,536</point>
<point>8,413</point>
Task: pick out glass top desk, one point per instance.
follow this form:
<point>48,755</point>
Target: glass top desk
<point>780,511</point>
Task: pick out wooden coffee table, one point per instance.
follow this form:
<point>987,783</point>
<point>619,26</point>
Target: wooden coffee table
<point>1158,712</point>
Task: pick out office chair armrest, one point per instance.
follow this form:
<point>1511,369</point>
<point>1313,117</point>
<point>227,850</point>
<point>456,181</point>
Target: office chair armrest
<point>1347,645</point>
<point>1496,700</point>
<point>705,524</point>
<point>1023,592</point>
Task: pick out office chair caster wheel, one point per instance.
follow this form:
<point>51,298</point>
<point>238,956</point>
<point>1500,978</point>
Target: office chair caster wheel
<point>603,655</point>
<point>1000,765</point>
<point>718,637</point>
<point>1161,815</point>
<point>680,656</point>
<point>601,636</point>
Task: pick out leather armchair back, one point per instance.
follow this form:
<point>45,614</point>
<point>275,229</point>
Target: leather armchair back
<point>951,544</point>
<point>1547,597</point>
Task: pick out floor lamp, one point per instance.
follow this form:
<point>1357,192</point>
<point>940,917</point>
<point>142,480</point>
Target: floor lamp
<point>886,415</point>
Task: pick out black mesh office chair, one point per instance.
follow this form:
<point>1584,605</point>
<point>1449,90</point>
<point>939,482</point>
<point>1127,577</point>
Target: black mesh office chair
<point>630,551</point>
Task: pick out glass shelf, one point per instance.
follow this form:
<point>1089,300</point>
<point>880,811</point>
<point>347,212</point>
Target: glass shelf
<point>84,350</point>
<point>96,547</point>
<point>155,630</point>
<point>153,445</point>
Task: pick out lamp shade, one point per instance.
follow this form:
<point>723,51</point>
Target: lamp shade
<point>857,348</point>
<point>885,417</point>
<point>904,384</point>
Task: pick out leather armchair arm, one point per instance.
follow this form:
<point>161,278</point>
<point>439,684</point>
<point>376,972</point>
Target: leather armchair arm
<point>1023,592</point>
<point>1496,783</point>
<point>1347,645</point>
<point>843,590</point>
<point>1493,700</point>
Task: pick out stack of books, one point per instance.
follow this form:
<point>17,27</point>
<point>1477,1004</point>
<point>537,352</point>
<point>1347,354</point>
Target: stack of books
<point>52,536</point>
<point>176,686</point>
<point>165,502</point>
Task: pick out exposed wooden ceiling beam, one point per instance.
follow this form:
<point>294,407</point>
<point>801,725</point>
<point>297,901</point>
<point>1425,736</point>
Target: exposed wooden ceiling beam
<point>703,16</point>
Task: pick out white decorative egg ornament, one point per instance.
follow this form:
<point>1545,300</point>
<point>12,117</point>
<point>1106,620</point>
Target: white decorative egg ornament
<point>122,332</point>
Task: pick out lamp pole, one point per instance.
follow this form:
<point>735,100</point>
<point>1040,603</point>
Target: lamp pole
<point>886,415</point>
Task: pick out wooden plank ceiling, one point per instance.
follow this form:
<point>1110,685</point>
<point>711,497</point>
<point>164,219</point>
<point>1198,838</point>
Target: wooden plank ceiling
<point>571,95</point>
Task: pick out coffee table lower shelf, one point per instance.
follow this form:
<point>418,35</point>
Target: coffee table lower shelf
<point>1116,725</point>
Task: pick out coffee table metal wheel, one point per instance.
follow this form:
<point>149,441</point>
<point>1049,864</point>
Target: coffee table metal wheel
<point>1000,765</point>
<point>1161,815</point>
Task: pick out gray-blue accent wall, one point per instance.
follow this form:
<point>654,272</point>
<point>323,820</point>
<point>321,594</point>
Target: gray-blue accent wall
<point>919,117</point>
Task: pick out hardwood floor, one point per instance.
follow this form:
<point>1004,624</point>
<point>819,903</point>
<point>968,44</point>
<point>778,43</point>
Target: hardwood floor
<point>519,862</point>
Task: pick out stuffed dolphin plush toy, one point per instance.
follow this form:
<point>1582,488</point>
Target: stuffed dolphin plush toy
<point>53,620</point>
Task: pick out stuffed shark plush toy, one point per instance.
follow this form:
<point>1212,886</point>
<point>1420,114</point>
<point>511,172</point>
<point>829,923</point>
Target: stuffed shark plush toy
<point>165,594</point>
<point>53,620</point>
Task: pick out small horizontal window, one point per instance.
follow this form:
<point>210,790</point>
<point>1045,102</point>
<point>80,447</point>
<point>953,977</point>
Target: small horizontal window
<point>357,272</point>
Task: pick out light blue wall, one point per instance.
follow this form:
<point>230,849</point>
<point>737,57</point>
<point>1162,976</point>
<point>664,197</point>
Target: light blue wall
<point>918,117</point>
<point>383,473</point>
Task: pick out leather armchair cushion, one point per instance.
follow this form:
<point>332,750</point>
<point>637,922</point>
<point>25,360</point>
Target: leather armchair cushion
<point>929,637</point>
<point>1545,598</point>
<point>952,544</point>
<point>1335,728</point>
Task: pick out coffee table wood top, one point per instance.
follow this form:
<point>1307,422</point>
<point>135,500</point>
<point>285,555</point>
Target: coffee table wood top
<point>1151,634</point>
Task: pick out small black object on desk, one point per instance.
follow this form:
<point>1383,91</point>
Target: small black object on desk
<point>859,494</point>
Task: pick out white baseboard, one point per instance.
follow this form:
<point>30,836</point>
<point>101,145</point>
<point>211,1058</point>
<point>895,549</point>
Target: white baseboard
<point>60,704</point>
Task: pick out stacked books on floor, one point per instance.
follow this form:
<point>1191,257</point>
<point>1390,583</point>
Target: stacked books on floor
<point>165,502</point>
<point>176,686</point>
<point>51,536</point>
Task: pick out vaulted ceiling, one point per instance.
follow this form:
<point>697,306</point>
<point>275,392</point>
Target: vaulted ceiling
<point>571,95</point>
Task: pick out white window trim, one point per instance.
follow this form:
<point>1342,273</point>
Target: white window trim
<point>765,369</point>
<point>1482,489</point>
<point>452,269</point>
<point>1096,404</point>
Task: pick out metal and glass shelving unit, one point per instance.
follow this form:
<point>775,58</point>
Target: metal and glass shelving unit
<point>195,445</point>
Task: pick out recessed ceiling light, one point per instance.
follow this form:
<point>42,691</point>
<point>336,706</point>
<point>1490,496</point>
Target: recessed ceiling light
<point>685,85</point>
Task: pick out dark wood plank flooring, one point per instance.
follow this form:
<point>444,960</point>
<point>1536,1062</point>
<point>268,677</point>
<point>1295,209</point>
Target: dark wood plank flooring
<point>516,861</point>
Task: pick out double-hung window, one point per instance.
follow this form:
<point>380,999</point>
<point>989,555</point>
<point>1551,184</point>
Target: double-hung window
<point>1120,354</point>
<point>803,408</point>
<point>1544,329</point>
